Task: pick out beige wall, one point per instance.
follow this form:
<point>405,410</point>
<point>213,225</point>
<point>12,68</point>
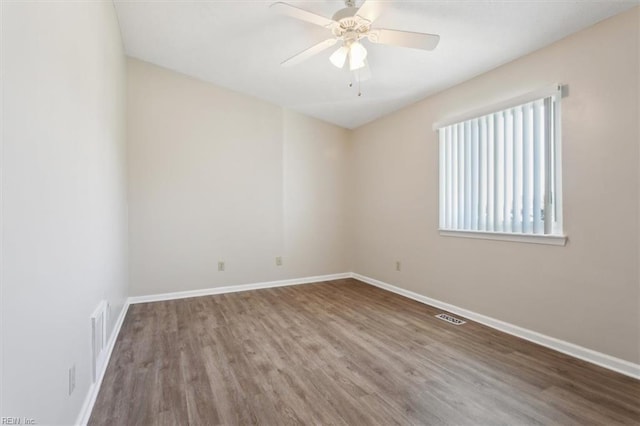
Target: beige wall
<point>63,198</point>
<point>587,292</point>
<point>315,197</point>
<point>216,175</point>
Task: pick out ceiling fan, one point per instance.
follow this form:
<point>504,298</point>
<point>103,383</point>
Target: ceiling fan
<point>350,25</point>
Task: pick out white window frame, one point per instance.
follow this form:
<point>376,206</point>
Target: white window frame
<point>553,229</point>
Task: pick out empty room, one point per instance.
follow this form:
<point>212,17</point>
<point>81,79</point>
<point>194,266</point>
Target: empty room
<point>327,212</point>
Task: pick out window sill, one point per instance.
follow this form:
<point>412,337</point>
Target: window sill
<point>554,240</point>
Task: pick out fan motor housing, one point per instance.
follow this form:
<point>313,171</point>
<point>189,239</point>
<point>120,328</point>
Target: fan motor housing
<point>350,25</point>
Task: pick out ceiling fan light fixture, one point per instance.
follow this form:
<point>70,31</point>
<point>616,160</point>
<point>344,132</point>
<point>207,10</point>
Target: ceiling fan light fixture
<point>339,57</point>
<point>357,55</point>
<point>354,65</point>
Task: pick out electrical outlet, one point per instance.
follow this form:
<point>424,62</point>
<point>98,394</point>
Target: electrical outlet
<point>398,265</point>
<point>220,266</point>
<point>72,379</point>
<point>278,261</point>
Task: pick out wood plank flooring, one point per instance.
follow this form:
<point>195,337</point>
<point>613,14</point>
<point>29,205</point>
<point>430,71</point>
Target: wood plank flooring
<point>342,352</point>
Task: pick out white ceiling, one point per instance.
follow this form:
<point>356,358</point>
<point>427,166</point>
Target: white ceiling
<point>240,44</point>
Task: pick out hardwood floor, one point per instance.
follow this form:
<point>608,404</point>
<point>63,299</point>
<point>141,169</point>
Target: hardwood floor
<point>342,352</point>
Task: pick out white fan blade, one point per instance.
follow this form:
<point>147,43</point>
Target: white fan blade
<point>370,10</point>
<point>306,54</point>
<point>303,15</point>
<point>404,38</point>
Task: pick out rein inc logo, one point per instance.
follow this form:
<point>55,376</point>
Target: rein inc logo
<point>17,421</point>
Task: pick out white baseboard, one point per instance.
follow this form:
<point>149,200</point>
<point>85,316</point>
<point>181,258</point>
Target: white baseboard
<point>603,360</point>
<point>92,394</point>
<point>235,288</point>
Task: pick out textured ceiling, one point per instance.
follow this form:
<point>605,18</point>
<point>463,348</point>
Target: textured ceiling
<point>240,44</point>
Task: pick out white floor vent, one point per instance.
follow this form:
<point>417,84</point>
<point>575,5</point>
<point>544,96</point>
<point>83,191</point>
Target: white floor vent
<point>450,319</point>
<point>99,322</point>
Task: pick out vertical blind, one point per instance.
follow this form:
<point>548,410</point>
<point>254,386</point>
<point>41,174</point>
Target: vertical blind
<point>499,172</point>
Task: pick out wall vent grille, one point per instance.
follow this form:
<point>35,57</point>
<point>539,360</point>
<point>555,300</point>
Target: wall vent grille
<point>99,321</point>
<point>450,319</point>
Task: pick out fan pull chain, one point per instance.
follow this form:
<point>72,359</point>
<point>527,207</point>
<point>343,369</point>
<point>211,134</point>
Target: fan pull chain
<point>359,87</point>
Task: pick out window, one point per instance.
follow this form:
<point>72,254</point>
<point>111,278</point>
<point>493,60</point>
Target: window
<point>500,172</point>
